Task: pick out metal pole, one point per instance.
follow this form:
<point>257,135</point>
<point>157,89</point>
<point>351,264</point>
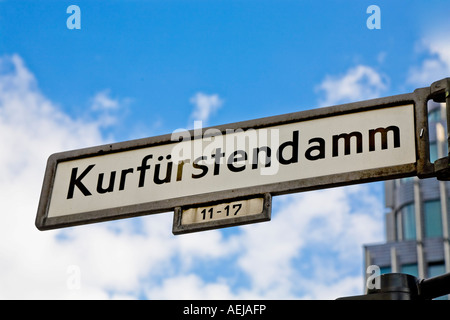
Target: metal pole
<point>434,287</point>
<point>447,105</point>
<point>402,286</point>
<point>419,233</point>
<point>368,262</point>
<point>443,195</point>
<point>445,212</point>
<point>394,260</point>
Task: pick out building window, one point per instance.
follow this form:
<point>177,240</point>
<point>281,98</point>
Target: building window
<point>410,269</point>
<point>384,270</point>
<point>433,152</point>
<point>435,115</point>
<point>399,182</point>
<point>434,270</point>
<point>432,218</point>
<point>408,222</point>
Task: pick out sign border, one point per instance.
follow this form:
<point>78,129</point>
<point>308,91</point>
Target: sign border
<point>422,167</point>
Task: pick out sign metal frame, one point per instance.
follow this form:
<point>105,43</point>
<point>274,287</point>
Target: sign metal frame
<point>421,168</point>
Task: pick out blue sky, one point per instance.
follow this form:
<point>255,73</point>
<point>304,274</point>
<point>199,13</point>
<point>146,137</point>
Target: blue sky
<point>144,68</point>
<point>263,57</point>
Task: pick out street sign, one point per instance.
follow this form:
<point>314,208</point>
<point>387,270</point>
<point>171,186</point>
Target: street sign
<point>358,142</point>
<point>213,216</point>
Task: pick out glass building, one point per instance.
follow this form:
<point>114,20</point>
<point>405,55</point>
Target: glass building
<point>417,228</point>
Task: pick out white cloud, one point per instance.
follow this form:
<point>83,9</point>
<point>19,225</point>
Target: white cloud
<point>34,264</point>
<point>31,128</point>
<point>358,83</point>
<point>191,287</point>
<point>343,287</point>
<point>436,65</point>
<point>112,258</point>
<point>204,106</point>
<point>103,101</point>
<point>317,231</point>
<point>107,110</point>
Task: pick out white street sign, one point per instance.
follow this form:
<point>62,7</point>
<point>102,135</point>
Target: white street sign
<point>283,154</point>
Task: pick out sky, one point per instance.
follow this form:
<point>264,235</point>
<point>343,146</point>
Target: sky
<point>138,69</point>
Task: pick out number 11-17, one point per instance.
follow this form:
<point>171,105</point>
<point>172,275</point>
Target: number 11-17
<point>236,207</point>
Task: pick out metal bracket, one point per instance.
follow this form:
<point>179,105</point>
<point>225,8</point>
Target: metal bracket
<point>440,92</point>
<point>442,169</point>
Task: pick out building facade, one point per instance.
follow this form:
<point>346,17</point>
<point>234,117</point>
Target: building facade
<point>417,227</point>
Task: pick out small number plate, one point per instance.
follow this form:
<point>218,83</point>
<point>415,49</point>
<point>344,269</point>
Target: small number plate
<point>219,215</point>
